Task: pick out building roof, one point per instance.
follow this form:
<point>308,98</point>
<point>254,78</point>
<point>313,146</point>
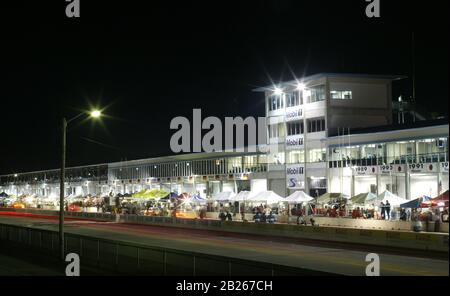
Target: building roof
<point>248,151</point>
<point>387,128</point>
<point>332,75</point>
<point>389,134</point>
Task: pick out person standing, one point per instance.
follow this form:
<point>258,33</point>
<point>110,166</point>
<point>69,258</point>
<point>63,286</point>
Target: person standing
<point>242,210</point>
<point>388,210</point>
<point>383,209</point>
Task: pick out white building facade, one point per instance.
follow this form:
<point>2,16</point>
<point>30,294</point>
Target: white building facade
<point>326,133</point>
<point>317,145</point>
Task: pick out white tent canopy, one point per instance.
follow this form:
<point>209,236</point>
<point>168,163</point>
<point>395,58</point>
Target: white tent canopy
<point>362,198</point>
<point>393,199</point>
<point>243,196</point>
<point>269,197</point>
<point>224,196</point>
<point>298,197</point>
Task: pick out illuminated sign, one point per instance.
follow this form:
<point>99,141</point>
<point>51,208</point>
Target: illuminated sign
<point>295,176</point>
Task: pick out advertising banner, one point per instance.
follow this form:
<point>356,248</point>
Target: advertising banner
<point>392,169</point>
<point>293,113</point>
<point>294,142</point>
<point>366,170</point>
<point>295,176</point>
<point>423,167</point>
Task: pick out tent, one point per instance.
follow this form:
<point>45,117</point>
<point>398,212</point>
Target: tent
<point>362,197</point>
<point>243,196</point>
<point>439,201</point>
<point>269,197</point>
<point>298,197</point>
<point>393,199</point>
<point>223,196</point>
<point>325,198</point>
<point>415,203</point>
<point>150,194</point>
<point>196,199</point>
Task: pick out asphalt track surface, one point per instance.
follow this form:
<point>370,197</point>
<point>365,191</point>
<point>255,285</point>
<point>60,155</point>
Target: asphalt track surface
<point>320,256</point>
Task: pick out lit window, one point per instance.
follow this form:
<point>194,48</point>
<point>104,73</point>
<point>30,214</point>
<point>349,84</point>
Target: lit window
<point>275,102</point>
<point>315,94</point>
<point>341,94</point>
<point>293,99</point>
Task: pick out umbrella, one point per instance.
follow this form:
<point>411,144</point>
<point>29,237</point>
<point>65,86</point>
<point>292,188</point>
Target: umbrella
<point>298,197</point>
<point>223,196</point>
<point>269,197</point>
<point>3,194</point>
<point>362,197</point>
<point>415,203</point>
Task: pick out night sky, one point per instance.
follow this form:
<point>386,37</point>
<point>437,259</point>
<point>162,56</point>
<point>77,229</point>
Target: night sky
<point>149,63</point>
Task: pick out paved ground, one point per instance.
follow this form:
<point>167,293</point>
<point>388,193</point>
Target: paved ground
<point>313,256</point>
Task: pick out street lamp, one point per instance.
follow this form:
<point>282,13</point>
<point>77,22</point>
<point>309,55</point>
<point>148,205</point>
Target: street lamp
<point>92,114</point>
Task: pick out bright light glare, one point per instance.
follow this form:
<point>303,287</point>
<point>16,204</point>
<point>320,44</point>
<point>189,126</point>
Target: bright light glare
<point>278,91</point>
<point>96,113</point>
<point>300,86</point>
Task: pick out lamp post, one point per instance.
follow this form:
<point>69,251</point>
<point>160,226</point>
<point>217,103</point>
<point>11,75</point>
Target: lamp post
<point>93,114</point>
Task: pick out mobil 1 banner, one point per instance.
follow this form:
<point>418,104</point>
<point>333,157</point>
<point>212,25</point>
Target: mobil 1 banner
<point>295,176</point>
<point>293,114</point>
<point>294,142</point>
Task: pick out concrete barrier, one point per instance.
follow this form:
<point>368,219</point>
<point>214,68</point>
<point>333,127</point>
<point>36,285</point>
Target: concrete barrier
<point>136,259</point>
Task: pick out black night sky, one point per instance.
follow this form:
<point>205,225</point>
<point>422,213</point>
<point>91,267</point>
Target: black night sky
<point>149,63</point>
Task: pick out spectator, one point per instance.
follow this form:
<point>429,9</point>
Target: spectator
<point>388,210</point>
<point>242,210</point>
<point>222,216</point>
<point>383,210</point>
<point>403,215</point>
<point>444,216</point>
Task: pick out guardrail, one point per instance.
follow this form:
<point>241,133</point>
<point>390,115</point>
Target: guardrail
<point>136,259</point>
